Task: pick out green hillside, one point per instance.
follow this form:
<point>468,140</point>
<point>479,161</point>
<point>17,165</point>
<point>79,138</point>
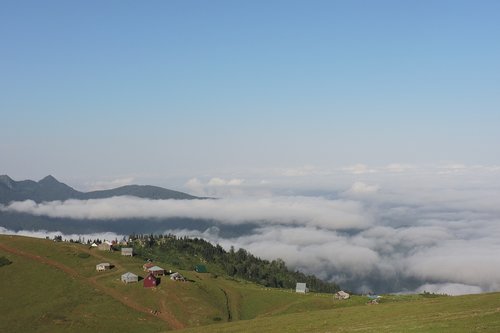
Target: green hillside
<point>54,287</point>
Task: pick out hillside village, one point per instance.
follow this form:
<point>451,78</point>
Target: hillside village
<point>153,273</point>
<point>194,253</point>
<point>88,287</point>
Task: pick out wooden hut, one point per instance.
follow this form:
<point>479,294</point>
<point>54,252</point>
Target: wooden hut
<point>147,266</point>
<point>105,246</point>
<point>150,281</point>
<point>127,251</point>
<point>301,288</point>
<point>157,271</point>
<point>103,266</point>
<point>129,277</point>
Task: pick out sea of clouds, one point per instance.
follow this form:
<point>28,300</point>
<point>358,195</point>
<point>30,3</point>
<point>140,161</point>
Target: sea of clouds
<point>397,229</point>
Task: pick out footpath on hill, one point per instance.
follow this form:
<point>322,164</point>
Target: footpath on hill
<point>164,315</point>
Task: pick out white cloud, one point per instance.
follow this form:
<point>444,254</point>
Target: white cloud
<point>109,184</point>
<point>329,214</point>
<point>51,234</point>
<point>452,289</point>
<point>358,169</point>
<point>223,182</point>
<point>397,167</point>
<point>300,171</point>
<point>195,186</point>
<point>363,188</point>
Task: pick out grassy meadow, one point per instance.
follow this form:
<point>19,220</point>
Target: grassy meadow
<point>54,287</point>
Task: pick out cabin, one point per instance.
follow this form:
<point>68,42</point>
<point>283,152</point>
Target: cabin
<point>156,271</point>
<point>127,251</point>
<point>342,295</point>
<point>150,281</point>
<point>104,246</point>
<point>301,288</point>
<point>104,266</point>
<point>177,277</point>
<point>129,278</point>
<point>147,266</point>
<point>200,269</point>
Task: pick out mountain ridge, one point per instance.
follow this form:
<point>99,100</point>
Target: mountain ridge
<point>51,189</point>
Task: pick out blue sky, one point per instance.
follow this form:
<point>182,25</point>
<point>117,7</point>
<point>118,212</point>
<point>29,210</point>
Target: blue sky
<point>163,89</point>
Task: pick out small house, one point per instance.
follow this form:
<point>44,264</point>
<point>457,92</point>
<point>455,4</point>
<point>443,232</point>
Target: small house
<point>301,288</point>
<point>105,246</point>
<point>127,251</point>
<point>129,277</point>
<point>157,271</point>
<point>147,266</point>
<point>177,277</point>
<point>342,295</point>
<point>104,266</point>
<point>150,281</point>
<point>200,269</point>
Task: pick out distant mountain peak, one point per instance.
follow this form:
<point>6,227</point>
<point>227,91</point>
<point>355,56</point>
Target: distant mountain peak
<point>49,180</point>
<point>50,189</point>
<point>7,181</point>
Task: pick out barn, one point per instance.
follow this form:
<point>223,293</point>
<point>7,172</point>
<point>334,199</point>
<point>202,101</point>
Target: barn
<point>129,278</point>
<point>147,266</point>
<point>103,266</point>
<point>156,271</point>
<point>127,251</point>
<point>301,288</point>
<point>150,281</point>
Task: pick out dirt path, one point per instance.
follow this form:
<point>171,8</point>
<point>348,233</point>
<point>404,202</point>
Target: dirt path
<point>165,316</point>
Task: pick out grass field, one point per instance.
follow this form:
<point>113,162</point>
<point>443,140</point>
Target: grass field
<point>54,287</point>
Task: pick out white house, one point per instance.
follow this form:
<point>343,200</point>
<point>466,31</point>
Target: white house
<point>104,246</point>
<point>127,251</point>
<point>103,266</point>
<point>301,288</point>
<point>177,277</point>
<point>129,277</point>
<point>342,295</point>
<point>156,271</point>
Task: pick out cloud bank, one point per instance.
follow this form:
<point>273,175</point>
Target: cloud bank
<point>392,229</point>
<point>328,214</point>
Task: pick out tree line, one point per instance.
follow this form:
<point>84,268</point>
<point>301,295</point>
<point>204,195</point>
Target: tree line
<point>185,252</point>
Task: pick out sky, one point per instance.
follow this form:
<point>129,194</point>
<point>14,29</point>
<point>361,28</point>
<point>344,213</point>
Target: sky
<point>99,93</point>
<point>360,136</point>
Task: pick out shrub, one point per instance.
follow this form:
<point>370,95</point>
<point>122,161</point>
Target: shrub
<point>4,261</point>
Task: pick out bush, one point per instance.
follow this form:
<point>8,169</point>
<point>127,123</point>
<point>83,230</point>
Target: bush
<point>4,261</point>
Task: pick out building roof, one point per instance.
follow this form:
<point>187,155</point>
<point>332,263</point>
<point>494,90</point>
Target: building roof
<point>129,275</point>
<point>200,268</point>
<point>155,268</point>
<point>104,264</point>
